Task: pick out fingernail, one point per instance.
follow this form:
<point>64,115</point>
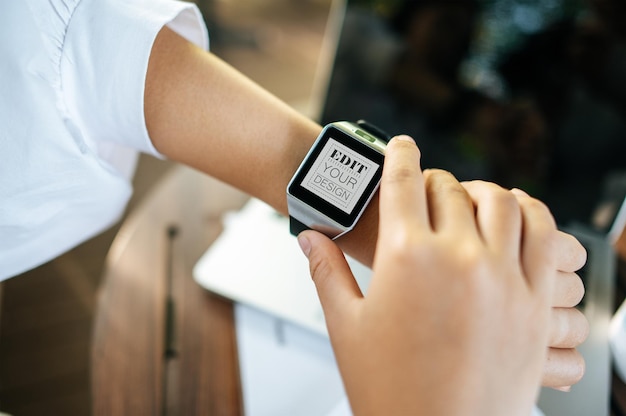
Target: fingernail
<point>305,245</point>
<point>404,138</point>
<point>565,389</point>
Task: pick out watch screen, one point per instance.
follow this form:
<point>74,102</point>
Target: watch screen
<point>340,175</point>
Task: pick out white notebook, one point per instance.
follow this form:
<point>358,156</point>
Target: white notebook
<point>257,262</point>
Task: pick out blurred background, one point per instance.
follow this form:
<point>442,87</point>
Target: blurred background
<point>524,93</point>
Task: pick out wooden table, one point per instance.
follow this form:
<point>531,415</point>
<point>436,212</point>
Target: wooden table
<point>142,364</point>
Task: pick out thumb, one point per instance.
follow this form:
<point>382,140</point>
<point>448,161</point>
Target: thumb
<point>336,287</point>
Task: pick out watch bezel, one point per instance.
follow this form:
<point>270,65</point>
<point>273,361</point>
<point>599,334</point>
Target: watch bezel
<point>296,190</point>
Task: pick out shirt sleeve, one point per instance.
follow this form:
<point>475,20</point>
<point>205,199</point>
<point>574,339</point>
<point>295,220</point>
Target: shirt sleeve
<point>104,62</point>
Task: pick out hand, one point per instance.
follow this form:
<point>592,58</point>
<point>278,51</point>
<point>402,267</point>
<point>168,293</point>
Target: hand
<point>457,313</point>
<point>568,326</point>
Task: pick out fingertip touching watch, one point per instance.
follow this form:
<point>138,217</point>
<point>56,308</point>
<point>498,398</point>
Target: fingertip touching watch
<point>337,179</point>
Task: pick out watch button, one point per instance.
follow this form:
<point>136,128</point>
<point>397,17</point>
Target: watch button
<point>366,136</point>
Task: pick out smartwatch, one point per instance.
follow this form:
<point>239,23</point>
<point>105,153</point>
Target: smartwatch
<point>337,178</point>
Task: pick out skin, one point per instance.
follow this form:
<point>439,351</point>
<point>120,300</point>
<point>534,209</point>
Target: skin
<point>203,113</point>
<point>476,263</point>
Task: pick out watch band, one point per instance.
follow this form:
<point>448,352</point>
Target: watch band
<point>296,227</point>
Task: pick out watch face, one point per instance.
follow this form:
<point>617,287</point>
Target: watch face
<point>338,177</point>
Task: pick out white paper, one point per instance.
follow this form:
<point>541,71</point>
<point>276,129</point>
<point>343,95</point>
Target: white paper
<point>285,370</point>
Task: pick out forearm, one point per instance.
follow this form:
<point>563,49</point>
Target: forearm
<point>203,113</point>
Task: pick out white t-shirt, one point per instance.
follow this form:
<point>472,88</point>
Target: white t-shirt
<point>72,77</point>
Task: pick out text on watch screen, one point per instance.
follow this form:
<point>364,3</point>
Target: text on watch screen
<point>340,175</point>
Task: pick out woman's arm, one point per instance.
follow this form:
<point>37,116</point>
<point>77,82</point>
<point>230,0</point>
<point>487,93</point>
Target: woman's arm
<point>203,113</point>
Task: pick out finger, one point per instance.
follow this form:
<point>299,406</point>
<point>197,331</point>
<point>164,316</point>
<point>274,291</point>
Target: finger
<point>402,190</point>
<point>498,215</point>
<point>539,248</point>
<point>449,205</point>
<point>335,284</point>
<point>568,328</point>
<point>572,255</point>
<point>568,290</point>
<point>564,367</point>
